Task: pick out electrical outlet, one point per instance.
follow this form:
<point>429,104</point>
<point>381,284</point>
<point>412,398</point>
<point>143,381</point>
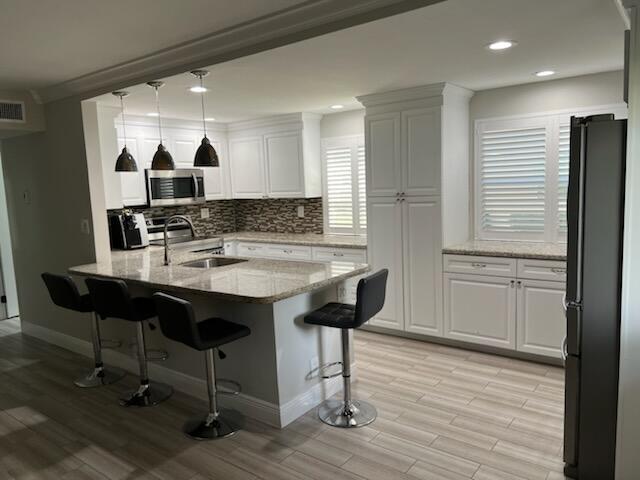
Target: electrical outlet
<point>84,226</point>
<point>301,211</point>
<point>204,213</point>
<point>314,363</point>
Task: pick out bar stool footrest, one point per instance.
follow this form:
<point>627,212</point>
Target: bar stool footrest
<point>322,369</point>
<point>107,344</point>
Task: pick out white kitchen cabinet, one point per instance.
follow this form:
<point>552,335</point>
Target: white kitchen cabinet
<point>276,157</point>
<point>230,248</point>
<point>333,254</point>
<point>541,322</point>
<point>246,249</point>
<point>555,271</point>
<point>480,309</point>
<point>480,265</point>
<point>382,157</point>
<point>287,252</point>
<point>385,250</point>
<point>422,265</point>
<point>285,170</point>
<point>421,152</point>
<point>132,184</point>
<point>246,156</point>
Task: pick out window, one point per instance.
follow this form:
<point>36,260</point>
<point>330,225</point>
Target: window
<point>522,176</point>
<point>345,205</point>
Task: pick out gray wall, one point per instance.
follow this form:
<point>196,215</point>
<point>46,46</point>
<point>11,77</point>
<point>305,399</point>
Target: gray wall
<point>34,115</point>
<point>342,124</point>
<point>51,169</point>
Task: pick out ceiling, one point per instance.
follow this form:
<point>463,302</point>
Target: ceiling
<point>64,40</point>
<point>442,42</point>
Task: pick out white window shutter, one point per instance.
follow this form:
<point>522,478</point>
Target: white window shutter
<point>511,181</point>
<point>338,165</point>
<point>563,177</point>
<point>362,190</point>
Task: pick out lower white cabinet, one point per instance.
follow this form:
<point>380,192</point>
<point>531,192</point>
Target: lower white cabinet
<point>541,323</point>
<point>480,309</point>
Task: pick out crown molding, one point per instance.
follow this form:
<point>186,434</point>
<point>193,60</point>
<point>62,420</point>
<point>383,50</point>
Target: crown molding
<point>309,19</point>
<point>433,91</point>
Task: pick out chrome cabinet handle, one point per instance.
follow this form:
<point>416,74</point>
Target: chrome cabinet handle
<point>338,254</point>
<point>251,248</point>
<point>512,283</point>
<point>563,349</point>
<point>287,251</point>
<point>559,270</point>
<point>519,284</point>
<point>479,265</point>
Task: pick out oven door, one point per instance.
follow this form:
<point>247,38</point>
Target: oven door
<point>175,187</point>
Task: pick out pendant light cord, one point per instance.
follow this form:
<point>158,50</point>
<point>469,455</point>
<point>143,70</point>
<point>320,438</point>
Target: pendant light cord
<point>124,123</point>
<point>158,109</point>
<point>204,122</point>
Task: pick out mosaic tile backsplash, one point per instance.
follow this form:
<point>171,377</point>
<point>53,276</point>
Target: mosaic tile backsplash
<point>268,215</point>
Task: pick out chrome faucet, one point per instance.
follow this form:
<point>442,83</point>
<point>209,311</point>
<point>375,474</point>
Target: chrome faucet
<point>167,258</point>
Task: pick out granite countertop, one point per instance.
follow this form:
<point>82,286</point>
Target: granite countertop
<point>252,281</point>
<point>536,250</point>
<point>310,239</point>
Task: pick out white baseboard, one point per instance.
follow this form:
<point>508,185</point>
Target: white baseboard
<point>266,412</point>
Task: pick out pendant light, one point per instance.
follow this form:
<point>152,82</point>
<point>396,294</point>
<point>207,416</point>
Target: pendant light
<point>162,159</point>
<point>125,161</point>
<point>206,155</point>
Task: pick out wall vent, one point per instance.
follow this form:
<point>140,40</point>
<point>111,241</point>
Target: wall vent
<point>11,111</point>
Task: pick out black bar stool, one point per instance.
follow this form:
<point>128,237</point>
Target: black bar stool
<point>371,292</point>
<point>64,293</point>
<point>178,322</point>
<point>111,298</point>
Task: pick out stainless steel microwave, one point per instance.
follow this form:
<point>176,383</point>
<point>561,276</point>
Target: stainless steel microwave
<point>182,186</point>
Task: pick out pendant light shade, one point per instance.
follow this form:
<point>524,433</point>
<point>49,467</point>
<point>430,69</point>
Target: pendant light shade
<point>125,161</point>
<point>206,155</point>
<point>162,159</point>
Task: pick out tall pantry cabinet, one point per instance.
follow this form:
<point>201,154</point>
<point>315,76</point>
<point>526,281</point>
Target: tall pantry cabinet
<point>417,165</point>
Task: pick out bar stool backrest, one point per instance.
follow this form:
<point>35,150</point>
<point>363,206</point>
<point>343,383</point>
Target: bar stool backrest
<point>64,292</point>
<point>111,298</point>
<point>370,297</point>
<point>177,319</point>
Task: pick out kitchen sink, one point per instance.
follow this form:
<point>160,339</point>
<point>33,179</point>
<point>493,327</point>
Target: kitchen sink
<point>212,262</point>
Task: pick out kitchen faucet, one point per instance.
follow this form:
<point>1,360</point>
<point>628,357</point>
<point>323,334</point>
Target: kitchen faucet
<point>167,258</point>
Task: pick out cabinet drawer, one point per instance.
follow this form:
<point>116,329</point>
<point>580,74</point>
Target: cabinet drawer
<point>250,249</point>
<point>542,270</point>
<point>499,266</point>
<point>326,254</point>
<point>230,248</point>
<point>294,252</point>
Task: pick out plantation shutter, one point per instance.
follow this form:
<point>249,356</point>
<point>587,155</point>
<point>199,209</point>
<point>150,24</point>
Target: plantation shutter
<point>344,178</point>
<point>512,180</point>
<point>563,177</point>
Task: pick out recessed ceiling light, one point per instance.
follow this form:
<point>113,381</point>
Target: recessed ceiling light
<point>501,45</point>
<point>197,89</point>
<point>545,73</point>
<point>337,107</point>
<point>209,119</point>
<point>152,114</point>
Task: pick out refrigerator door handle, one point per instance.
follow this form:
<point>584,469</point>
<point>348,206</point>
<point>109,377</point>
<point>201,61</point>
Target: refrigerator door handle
<point>563,350</point>
<point>564,303</point>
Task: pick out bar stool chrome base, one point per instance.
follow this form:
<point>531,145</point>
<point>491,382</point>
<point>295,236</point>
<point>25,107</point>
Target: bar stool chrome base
<point>100,376</point>
<point>211,427</point>
<point>147,395</point>
<point>338,413</point>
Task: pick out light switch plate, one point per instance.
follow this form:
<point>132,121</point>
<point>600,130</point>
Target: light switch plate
<point>301,211</point>
<point>84,226</point>
<point>204,213</point>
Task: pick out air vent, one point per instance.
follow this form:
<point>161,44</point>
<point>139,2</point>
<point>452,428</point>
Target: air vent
<point>11,111</point>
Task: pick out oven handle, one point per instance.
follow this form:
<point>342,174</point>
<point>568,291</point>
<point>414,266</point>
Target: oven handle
<point>195,185</point>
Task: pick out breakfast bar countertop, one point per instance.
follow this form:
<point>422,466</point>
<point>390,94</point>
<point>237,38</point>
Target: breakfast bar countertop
<point>490,248</point>
<point>251,280</point>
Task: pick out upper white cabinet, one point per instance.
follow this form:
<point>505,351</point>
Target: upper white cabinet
<point>382,146</point>
<point>421,151</point>
<point>247,173</point>
<point>182,139</point>
<point>276,157</point>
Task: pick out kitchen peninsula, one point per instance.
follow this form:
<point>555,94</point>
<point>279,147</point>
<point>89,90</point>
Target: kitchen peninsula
<point>275,363</point>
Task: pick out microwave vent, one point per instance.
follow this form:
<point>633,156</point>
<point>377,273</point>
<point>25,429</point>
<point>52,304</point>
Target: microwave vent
<point>11,111</point>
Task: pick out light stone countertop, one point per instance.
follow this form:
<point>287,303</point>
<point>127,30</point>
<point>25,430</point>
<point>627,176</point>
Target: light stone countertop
<point>309,239</point>
<point>535,250</point>
<point>253,281</point>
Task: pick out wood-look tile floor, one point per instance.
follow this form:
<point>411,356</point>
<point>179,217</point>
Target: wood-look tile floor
<point>444,414</point>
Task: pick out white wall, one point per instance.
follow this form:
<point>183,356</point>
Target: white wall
<point>342,124</point>
<point>628,441</point>
<point>34,115</point>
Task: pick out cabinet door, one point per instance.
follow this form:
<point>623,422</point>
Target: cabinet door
<point>384,250</point>
<point>134,190</point>
<point>247,167</point>
<point>382,144</point>
<point>183,150</point>
<point>284,162</point>
<point>541,319</point>
<point>422,245</point>
<point>216,178</point>
<point>421,151</point>
<point>480,309</point>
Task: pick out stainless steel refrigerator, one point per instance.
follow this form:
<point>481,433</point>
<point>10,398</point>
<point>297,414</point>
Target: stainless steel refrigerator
<point>591,349</point>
